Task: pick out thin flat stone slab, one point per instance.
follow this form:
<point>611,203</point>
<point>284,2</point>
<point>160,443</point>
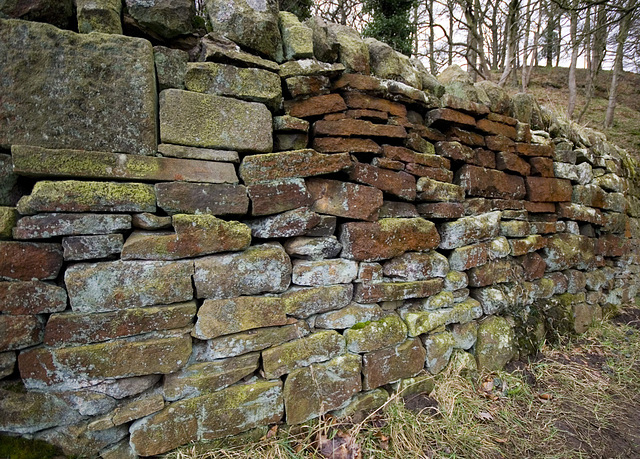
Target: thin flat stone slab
<point>77,196</point>
<point>204,120</point>
<point>314,390</point>
<point>469,230</point>
<point>82,366</point>
<point>73,328</point>
<point>31,297</point>
<point>387,238</point>
<point>29,260</point>
<point>19,332</point>
<point>195,235</point>
<point>66,90</point>
<point>45,226</point>
<point>277,196</point>
<point>220,49</point>
<point>42,162</point>
<point>304,302</point>
<point>205,154</point>
<point>114,285</point>
<point>298,163</point>
<point>229,411</point>
<point>79,248</point>
<point>344,199</point>
<point>233,315</point>
<point>202,198</point>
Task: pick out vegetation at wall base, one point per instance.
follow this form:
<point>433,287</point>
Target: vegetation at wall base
<point>576,399</point>
<point>21,448</point>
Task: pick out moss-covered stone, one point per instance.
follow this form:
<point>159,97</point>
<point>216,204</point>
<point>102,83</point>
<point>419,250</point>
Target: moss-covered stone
<point>171,66</point>
<point>496,343</point>
<point>465,335</point>
<point>253,85</point>
<point>353,52</point>
<point>419,384</point>
<point>426,321</point>
<point>388,64</point>
<point>297,38</point>
<point>390,364</point>
<point>314,390</point>
<point>417,266</point>
<point>324,272</point>
<point>317,347</point>
<point>19,332</point>
<point>44,226</point>
<point>469,230</point>
<point>305,302</point>
<point>66,90</point>
<point>205,120</point>
<point>565,250</point>
<point>394,291</point>
<point>371,336</point>
<point>363,403</point>
<point>226,412</point>
<point>439,347</point>
<point>8,218</point>
<point>99,16</point>
<point>222,317</point>
<point>76,196</point>
<point>349,316</point>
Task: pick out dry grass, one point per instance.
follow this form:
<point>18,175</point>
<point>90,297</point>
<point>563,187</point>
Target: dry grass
<point>579,399</point>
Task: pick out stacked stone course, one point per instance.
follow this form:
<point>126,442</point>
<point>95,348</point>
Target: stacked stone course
<point>317,224</point>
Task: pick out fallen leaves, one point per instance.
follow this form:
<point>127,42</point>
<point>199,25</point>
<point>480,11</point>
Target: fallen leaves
<point>340,446</point>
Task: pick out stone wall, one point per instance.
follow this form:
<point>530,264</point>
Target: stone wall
<point>295,222</point>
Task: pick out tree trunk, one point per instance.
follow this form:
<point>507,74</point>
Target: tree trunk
<point>511,37</point>
<point>598,52</point>
<point>573,89</point>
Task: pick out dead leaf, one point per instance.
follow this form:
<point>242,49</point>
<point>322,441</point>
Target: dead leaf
<point>383,440</point>
<point>545,396</point>
<point>500,440</point>
<point>272,432</point>
<point>342,446</point>
<point>485,416</point>
<point>487,386</point>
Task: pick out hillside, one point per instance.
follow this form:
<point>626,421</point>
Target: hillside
<point>550,87</point>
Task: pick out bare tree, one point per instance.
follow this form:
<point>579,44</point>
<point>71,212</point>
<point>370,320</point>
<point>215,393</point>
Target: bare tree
<point>511,35</point>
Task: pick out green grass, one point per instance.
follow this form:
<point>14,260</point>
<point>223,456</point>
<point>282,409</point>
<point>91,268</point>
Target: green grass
<point>20,448</point>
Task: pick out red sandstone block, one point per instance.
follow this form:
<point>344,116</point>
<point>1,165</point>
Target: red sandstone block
<point>543,189</point>
<point>278,196</point>
<point>399,184</point>
<point>437,173</point>
<point>492,127</point>
<point>446,115</point>
<point>472,139</point>
<point>346,144</point>
<point>448,210</point>
<point>344,199</point>
<point>490,183</point>
<point>314,106</point>
<point>360,100</point>
<point>387,163</point>
<point>530,149</point>
<point>541,166</point>
<point>409,156</point>
<point>29,260</point>
<point>511,162</point>
<point>348,127</point>
<point>500,143</point>
<point>455,151</point>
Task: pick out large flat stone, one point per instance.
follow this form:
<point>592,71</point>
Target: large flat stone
<point>305,302</point>
<point>232,315</point>
<point>546,189</point>
<point>202,198</point>
<point>66,90</point>
<point>79,248</point>
<point>387,238</point>
<point>417,266</point>
<point>259,269</point>
<point>45,226</point>
<point>344,199</point>
<point>395,291</point>
<point>469,230</point>
<point>73,328</point>
<point>290,164</point>
<point>229,411</point>
<point>314,390</point>
<point>77,196</point>
<point>277,196</point>
<point>399,184</point>
<point>82,366</point>
<point>31,297</point>
<point>490,183</point>
<point>19,332</point>
<point>204,120</point>
<point>29,260</point>
<point>390,364</point>
<point>41,162</point>
<point>114,285</point>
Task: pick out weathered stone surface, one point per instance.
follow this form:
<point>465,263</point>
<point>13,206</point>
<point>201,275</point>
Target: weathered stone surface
<point>469,230</point>
<point>410,156</point>
<point>27,260</point>
<point>81,366</point>
<point>304,302</point>
<point>446,210</point>
<point>206,154</point>
<point>490,183</point>
<point>217,48</point>
<point>589,195</point>
<point>317,347</point>
<point>446,116</point>
<point>278,196</point>
<point>163,18</point>
<point>436,173</point>
<point>18,332</point>
<point>51,225</point>
<point>226,123</point>
<point>399,184</point>
<point>362,404</point>
<point>287,224</point>
<point>114,285</point>
<point>251,25</point>
<point>76,196</point>
<point>80,248</point>
<point>80,441</point>
<point>393,209</point>
<point>31,297</point>
<point>495,272</point>
<point>250,84</point>
<point>208,377</point>
<point>436,191</point>
<point>232,315</point>
<point>29,412</point>
<point>394,291</point>
<point>313,248</point>
<point>388,64</point>
<point>566,250</point>
<point>439,348</point>
<point>258,269</point>
<point>387,365</point>
<point>38,162</point>
<point>469,256</point>
<point>171,66</point>
<point>455,280</point>
<point>79,328</point>
<point>101,16</point>
<point>455,151</point>
<point>314,106</point>
<point>544,189</point>
<point>526,245</point>
<point>464,335</point>
<point>387,238</point>
<point>353,52</point>
<point>7,363</point>
<point>307,85</point>
<point>314,390</point>
<point>345,144</point>
<point>324,272</point>
<point>371,336</point>
<point>309,67</point>
<point>105,95</point>
<point>349,316</point>
<point>493,127</point>
<point>8,218</point>
<point>195,235</point>
<point>344,199</point>
<point>348,127</point>
<point>438,301</point>
<point>417,266</point>
<point>290,141</point>
<point>500,143</point>
<point>496,343</point>
<point>288,123</point>
<point>297,38</point>
<point>225,412</point>
<point>425,321</point>
<point>137,409</point>
<point>512,162</point>
<point>202,198</point>
<point>125,387</point>
<point>300,163</point>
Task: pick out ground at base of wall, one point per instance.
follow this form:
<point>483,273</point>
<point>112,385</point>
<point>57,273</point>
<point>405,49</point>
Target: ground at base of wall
<point>579,398</point>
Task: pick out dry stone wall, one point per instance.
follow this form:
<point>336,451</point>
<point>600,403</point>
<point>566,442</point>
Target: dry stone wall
<point>264,230</point>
